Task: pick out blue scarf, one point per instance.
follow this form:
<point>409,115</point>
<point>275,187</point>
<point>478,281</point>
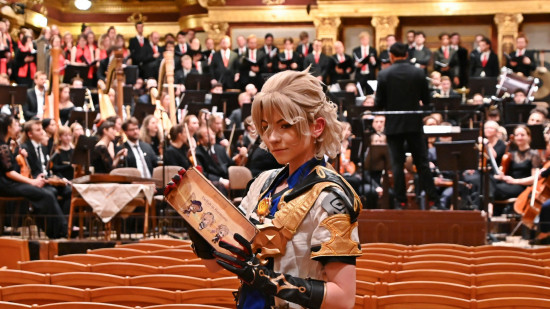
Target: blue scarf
<point>250,298</point>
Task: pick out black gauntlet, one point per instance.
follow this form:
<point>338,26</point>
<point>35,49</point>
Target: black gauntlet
<point>307,293</point>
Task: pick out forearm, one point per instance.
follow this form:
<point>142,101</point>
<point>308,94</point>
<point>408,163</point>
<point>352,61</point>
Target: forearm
<point>15,176</point>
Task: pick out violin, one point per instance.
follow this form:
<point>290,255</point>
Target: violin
<point>530,201</point>
<point>507,157</point>
<point>23,163</point>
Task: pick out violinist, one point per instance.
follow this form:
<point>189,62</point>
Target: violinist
<point>104,158</point>
<point>521,170</point>
<point>178,152</point>
<point>13,184</point>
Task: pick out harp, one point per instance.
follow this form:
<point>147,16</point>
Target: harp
<point>51,97</point>
<point>114,69</point>
<point>166,75</point>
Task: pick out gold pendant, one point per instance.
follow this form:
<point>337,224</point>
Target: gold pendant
<point>263,208</point>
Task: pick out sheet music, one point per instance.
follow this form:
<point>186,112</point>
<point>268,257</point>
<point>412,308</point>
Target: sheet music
<point>373,84</point>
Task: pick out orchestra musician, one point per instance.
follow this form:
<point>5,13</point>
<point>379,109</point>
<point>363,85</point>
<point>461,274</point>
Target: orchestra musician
<point>139,153</point>
<point>178,152</point>
<point>105,157</point>
<point>34,106</point>
<point>61,159</point>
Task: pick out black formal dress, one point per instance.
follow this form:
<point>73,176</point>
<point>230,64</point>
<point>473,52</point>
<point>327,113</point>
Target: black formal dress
<point>101,160</point>
<point>44,200</point>
<point>177,156</point>
<point>400,88</point>
<point>61,164</point>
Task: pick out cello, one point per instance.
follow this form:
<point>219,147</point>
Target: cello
<point>530,201</point>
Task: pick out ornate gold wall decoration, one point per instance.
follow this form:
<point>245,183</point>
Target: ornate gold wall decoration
<point>216,30</point>
<point>327,31</point>
<point>507,25</point>
<point>134,18</point>
<point>273,2</point>
<point>207,3</point>
<point>384,26</point>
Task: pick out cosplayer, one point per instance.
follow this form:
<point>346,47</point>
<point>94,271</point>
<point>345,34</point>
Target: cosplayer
<point>306,205</point>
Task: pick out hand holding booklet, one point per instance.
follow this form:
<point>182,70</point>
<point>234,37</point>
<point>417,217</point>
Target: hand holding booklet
<point>206,209</point>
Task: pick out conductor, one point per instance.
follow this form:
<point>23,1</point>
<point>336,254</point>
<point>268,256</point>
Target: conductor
<point>402,87</point>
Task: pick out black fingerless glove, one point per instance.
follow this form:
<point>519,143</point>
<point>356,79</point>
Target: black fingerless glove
<point>308,293</point>
<point>200,246</point>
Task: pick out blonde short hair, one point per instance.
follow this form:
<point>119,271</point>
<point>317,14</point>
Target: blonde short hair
<point>299,98</point>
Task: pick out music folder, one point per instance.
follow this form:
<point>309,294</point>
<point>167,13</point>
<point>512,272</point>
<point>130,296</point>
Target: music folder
<point>142,110</point>
<point>77,96</point>
<point>285,61</point>
<point>72,71</point>
<point>363,60</point>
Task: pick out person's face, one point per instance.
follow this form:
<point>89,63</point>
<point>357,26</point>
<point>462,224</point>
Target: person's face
<point>112,33</point>
<point>268,41</point>
<point>410,37</point>
<point>535,118</point>
<point>2,26</point>
<point>139,29</point>
<point>106,42</point>
<point>132,132</point>
<point>339,48</point>
<point>317,46</point>
<point>118,125</point>
<point>419,40</point>
<point>153,127</point>
<point>64,95</point>
<point>90,38</point>
<point>455,40</point>
<point>445,40</point>
<point>446,85</point>
<point>284,142</point>
<point>431,122</point>
<point>209,44</point>
<point>193,125</point>
<point>180,38</point>
<point>368,102</point>
<point>78,130</point>
<point>252,43</point>
<point>483,46</point>
<point>520,137</point>
<point>390,41</point>
<point>77,84</point>
<point>365,40</point>
<point>224,44</point>
<point>56,42</point>
<point>81,41</point>
<point>241,41</point>
<point>347,131</point>
<point>478,100</point>
<point>217,90</point>
<point>377,140</point>
<point>119,41</point>
<point>378,123</point>
<point>66,138</point>
<point>68,38</point>
<point>110,133</point>
<point>289,45</point>
<point>155,37</point>
<point>519,98</point>
<point>217,124</point>
<point>195,44</point>
<point>51,128</point>
<point>14,128</point>
<point>187,63</point>
<point>521,43</point>
<point>36,133</point>
<point>490,130</point>
<point>40,80</point>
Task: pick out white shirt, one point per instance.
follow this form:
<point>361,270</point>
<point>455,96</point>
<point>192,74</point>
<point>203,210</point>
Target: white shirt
<point>39,101</point>
<point>138,154</point>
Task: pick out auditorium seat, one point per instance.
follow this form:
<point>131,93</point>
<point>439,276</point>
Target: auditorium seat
<point>513,303</point>
<point>154,260</point>
<point>437,275</point>
<point>380,257</point>
<point>198,271</point>
<point>41,294</point>
<point>175,253</point>
<point>226,282</point>
<point>442,251</point>
<point>9,305</point>
<point>384,245</point>
<point>442,265</point>
<point>86,258</point>
<point>510,290</point>
<point>143,246</point>
<point>500,252</point>
<point>411,301</point>
<point>13,250</point>
<point>216,297</point>
<point>365,288</point>
<point>375,265</point>
<point>16,276</point>
<point>170,282</point>
<point>81,305</point>
<point>510,278</point>
<point>437,257</point>
<point>508,259</point>
<point>382,250</point>
<point>87,279</point>
<point>134,296</point>
<point>510,267</point>
<point>117,252</point>
<point>420,287</point>
<point>441,246</point>
<point>370,275</point>
<point>124,269</point>
<point>52,266</point>
<point>166,241</point>
<point>184,306</point>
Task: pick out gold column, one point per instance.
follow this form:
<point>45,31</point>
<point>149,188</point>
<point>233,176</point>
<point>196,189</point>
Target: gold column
<point>215,30</point>
<point>383,26</point>
<point>507,25</point>
<point>327,31</point>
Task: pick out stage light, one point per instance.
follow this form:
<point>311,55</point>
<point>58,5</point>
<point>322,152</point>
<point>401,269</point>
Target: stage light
<point>83,5</point>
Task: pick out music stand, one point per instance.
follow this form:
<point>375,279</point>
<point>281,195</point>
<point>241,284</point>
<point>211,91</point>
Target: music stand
<point>85,118</point>
<point>226,102</point>
<point>484,85</point>
<point>142,110</point>
<point>195,81</point>
<point>192,96</point>
<point>81,154</point>
<point>458,156</point>
<point>128,95</point>
<point>467,135</point>
<point>131,73</point>
<point>343,99</point>
<point>13,95</point>
<point>78,96</point>
<point>194,109</point>
<point>517,113</point>
<point>246,110</point>
<point>72,71</point>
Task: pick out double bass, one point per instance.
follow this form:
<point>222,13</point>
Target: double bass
<point>530,201</point>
